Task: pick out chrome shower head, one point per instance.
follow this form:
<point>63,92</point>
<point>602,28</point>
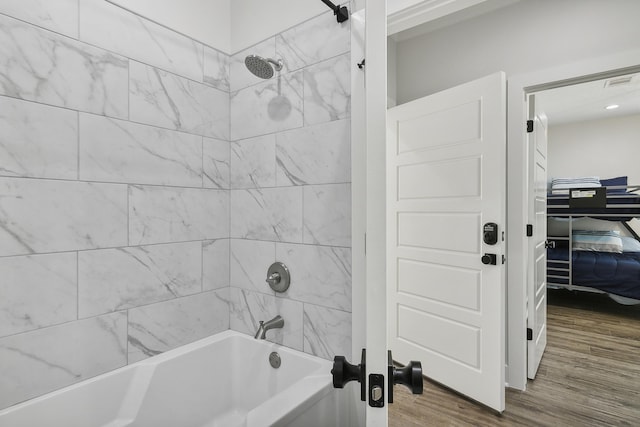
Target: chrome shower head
<point>262,67</point>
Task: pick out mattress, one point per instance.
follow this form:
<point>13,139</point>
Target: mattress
<point>615,273</point>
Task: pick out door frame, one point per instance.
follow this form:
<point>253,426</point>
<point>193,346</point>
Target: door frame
<point>368,216</point>
<point>519,193</point>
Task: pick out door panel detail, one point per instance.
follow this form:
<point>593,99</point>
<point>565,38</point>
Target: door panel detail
<point>446,157</point>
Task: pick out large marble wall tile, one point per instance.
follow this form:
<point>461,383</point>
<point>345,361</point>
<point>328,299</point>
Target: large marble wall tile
<point>119,151</point>
<point>118,279</point>
<point>37,140</point>
<point>247,309</point>
<point>250,260</point>
<point>156,328</point>
<point>240,77</point>
<point>267,107</point>
<point>60,16</point>
<point>41,361</point>
<point>267,214</point>
<point>37,291</point>
<point>313,41</point>
<point>327,90</point>
<point>253,162</point>
<point>216,163</point>
<point>50,216</point>
<point>41,66</point>
<point>163,215</point>
<point>327,332</point>
<point>215,264</point>
<point>319,154</point>
<point>327,214</point>
<point>216,69</point>
<point>162,99</point>
<point>113,28</point>
<point>319,274</point>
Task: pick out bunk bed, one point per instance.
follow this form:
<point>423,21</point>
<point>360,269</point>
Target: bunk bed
<point>586,250</point>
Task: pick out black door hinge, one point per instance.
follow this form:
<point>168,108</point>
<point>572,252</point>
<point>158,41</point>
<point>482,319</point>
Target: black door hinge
<point>529,126</point>
<point>529,334</point>
<point>529,230</point>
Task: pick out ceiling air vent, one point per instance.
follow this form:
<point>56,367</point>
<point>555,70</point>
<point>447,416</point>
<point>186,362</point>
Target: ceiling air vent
<point>618,81</point>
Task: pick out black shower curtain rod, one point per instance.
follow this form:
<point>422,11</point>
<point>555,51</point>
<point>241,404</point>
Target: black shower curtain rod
<point>342,13</point>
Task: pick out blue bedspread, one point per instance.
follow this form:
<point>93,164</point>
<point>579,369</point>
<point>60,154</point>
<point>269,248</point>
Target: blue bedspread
<point>610,272</point>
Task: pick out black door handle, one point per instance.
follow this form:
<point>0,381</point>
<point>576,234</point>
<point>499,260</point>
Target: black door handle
<point>344,372</point>
<point>410,376</point>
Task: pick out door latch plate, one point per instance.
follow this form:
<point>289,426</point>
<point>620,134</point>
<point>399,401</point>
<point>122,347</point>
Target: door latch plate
<point>376,390</point>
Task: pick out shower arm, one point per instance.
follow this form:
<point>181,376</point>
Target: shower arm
<point>276,64</point>
<point>342,13</point>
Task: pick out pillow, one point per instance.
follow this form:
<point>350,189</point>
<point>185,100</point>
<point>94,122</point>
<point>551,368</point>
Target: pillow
<point>562,185</point>
<point>615,182</point>
<point>599,241</point>
<point>559,227</point>
<point>630,244</point>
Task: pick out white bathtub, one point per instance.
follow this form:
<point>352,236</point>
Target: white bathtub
<point>221,381</point>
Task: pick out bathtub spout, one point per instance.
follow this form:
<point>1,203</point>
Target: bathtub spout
<point>276,322</point>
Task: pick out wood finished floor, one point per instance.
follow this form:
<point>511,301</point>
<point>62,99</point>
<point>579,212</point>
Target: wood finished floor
<point>589,375</point>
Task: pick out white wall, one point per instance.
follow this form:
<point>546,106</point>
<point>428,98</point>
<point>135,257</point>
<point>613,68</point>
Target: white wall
<point>255,20</point>
<point>208,21</point>
<point>527,36</point>
<point>606,148</point>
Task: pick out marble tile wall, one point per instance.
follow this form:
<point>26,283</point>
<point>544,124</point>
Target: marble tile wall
<point>290,180</point>
<point>147,182</point>
<point>114,192</point>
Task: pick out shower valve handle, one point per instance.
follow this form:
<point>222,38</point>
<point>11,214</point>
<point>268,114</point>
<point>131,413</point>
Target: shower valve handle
<point>273,279</point>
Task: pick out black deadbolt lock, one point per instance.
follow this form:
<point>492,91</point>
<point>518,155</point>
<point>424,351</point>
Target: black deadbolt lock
<point>490,233</point>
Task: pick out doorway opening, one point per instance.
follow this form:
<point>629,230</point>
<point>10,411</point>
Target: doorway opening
<point>585,297</point>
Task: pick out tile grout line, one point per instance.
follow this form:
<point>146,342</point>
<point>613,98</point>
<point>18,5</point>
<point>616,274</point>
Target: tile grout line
<point>318,245</point>
<point>173,129</point>
<point>129,195</point>
<point>78,143</point>
<point>128,90</point>
<point>77,285</point>
<point>303,212</point>
<point>202,173</point>
<point>202,266</point>
<point>229,279</point>
<point>127,338</point>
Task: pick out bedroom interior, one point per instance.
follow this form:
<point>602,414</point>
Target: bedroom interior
<point>588,124</point>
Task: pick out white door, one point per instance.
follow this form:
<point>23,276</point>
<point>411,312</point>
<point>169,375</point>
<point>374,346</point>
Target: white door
<point>537,275</point>
<point>446,169</point>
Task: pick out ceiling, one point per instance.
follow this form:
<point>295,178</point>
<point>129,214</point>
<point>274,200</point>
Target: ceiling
<point>587,101</point>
